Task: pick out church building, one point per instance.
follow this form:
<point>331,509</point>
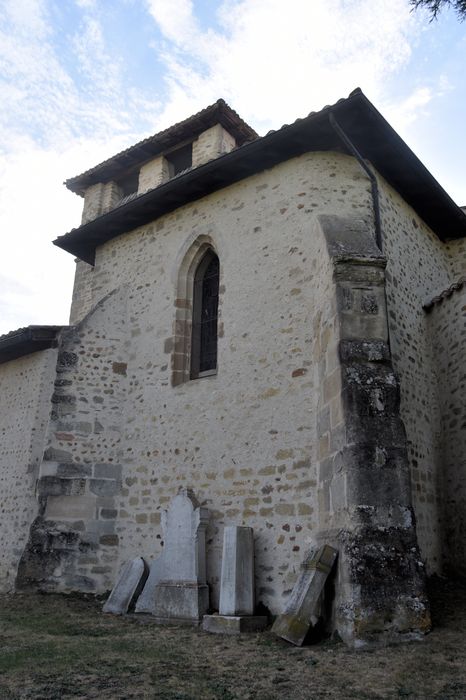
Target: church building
<point>276,323</point>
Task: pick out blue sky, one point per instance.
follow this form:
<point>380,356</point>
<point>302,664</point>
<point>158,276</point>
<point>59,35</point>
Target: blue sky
<point>82,79</point>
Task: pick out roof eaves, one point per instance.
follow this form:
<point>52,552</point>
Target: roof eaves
<point>157,143</point>
<point>378,142</point>
<point>24,341</point>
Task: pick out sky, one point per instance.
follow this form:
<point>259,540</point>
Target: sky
<point>82,79</point>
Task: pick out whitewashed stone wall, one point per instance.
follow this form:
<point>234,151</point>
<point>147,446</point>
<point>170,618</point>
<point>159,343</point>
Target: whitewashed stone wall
<point>457,256</point>
<point>26,386</point>
<point>418,263</point>
<point>447,325</point>
<point>82,301</point>
<point>245,440</point>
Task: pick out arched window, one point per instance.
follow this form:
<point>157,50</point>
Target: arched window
<point>204,318</point>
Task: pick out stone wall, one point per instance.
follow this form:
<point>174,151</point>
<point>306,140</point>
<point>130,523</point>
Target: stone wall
<point>211,144</point>
<point>81,302</point>
<point>364,481</point>
<point>99,199</point>
<point>417,263</point>
<point>152,174</point>
<point>245,439</point>
<point>73,539</point>
<point>447,325</point>
<point>25,390</point>
<point>457,257</point>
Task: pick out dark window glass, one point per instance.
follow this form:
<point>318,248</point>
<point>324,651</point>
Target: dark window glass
<point>205,311</point>
<point>180,160</point>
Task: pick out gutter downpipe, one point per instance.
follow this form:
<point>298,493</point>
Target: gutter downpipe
<point>374,186</point>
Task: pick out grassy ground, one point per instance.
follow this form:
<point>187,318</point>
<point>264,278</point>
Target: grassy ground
<point>64,647</point>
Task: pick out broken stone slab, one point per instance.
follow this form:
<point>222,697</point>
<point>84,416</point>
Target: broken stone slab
<point>234,624</point>
<point>302,609</point>
<point>126,590</point>
<point>146,601</point>
<point>181,594</point>
<point>237,577</point>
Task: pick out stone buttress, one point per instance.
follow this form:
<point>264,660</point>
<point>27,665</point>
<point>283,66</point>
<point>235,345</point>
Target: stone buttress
<point>365,499</point>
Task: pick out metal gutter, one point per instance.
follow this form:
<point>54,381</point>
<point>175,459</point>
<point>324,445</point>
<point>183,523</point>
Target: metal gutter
<point>374,185</point>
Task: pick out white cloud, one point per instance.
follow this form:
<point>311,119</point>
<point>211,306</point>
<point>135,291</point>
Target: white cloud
<point>56,126</point>
<point>408,110</point>
<point>36,277</point>
<point>277,61</point>
<point>176,20</point>
<point>100,70</point>
<point>70,104</point>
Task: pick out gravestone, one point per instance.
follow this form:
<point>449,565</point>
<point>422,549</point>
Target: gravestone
<point>236,609</point>
<point>237,579</point>
<point>182,595</point>
<point>127,588</point>
<point>302,608</point>
<point>146,601</point>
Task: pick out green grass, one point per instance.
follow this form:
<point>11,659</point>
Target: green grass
<point>62,647</point>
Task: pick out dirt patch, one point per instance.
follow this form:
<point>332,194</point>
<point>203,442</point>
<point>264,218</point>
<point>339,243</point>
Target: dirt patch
<point>64,647</point>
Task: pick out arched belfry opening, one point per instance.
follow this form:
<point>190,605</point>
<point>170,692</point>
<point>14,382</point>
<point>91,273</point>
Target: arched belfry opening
<point>196,321</point>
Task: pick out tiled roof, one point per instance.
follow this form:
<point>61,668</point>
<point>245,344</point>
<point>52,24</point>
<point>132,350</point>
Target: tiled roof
<point>219,112</point>
<point>367,129</point>
<point>24,341</point>
<point>440,296</point>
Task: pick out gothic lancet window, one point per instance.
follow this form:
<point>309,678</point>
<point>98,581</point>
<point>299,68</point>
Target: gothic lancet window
<point>204,320</point>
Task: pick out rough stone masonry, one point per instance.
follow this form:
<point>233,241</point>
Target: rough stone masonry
<point>327,415</point>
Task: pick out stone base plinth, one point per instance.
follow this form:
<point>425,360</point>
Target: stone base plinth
<point>180,602</point>
<point>233,624</point>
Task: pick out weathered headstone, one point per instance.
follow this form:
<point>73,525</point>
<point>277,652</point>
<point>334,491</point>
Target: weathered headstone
<point>300,612</point>
<point>236,609</point>
<point>146,601</point>
<point>126,590</point>
<point>182,594</point>
<point>237,579</point>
